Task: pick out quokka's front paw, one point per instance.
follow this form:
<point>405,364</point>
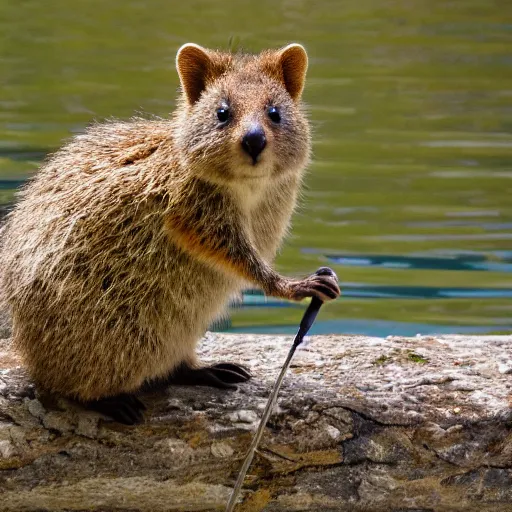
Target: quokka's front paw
<point>323,284</point>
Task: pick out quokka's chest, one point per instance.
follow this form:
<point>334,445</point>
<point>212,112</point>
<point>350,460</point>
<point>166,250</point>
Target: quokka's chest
<point>269,222</point>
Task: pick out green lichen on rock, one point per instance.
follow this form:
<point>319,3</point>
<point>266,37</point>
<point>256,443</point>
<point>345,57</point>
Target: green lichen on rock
<point>381,360</point>
<point>416,358</point>
<point>400,356</point>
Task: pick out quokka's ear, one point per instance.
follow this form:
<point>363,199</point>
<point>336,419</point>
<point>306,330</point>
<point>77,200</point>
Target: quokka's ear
<point>192,63</point>
<point>293,61</point>
<point>197,67</point>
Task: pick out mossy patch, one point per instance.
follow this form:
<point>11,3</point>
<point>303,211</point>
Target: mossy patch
<point>382,360</point>
<point>416,358</point>
<point>400,356</point>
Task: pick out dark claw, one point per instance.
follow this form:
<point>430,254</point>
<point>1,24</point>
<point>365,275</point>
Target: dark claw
<point>123,408</point>
<point>186,376</point>
<point>327,291</point>
<point>232,372</point>
<point>326,271</point>
<point>212,378</point>
<point>222,375</point>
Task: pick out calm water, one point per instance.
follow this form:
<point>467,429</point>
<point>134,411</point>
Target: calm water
<point>410,195</point>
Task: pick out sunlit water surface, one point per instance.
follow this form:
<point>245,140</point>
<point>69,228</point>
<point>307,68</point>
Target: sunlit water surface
<point>409,197</point>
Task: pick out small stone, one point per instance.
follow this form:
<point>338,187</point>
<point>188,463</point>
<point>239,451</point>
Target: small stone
<point>57,421</point>
<point>505,368</point>
<point>7,449</point>
<point>243,416</point>
<point>247,416</point>
<point>456,410</point>
<point>174,403</point>
<point>333,432</point>
<point>35,407</point>
<point>233,417</point>
<point>222,450</point>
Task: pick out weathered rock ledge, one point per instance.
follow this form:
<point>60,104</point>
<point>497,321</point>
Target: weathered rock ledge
<point>397,424</point>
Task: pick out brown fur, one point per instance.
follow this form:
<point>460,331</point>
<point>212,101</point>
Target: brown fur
<point>132,238</point>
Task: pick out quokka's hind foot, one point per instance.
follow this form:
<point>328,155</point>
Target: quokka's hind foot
<point>123,408</point>
<point>221,375</point>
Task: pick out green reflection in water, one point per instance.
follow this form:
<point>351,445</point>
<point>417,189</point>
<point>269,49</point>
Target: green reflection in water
<point>410,102</point>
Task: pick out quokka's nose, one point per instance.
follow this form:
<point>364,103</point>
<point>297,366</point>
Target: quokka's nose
<point>254,142</point>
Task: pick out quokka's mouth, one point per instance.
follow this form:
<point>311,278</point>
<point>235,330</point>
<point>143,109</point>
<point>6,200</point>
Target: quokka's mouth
<point>253,161</point>
<point>252,176</point>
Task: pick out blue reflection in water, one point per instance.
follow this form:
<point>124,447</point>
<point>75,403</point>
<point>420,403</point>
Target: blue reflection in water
<point>423,292</point>
<point>377,328</point>
<point>11,184</point>
<point>476,261</point>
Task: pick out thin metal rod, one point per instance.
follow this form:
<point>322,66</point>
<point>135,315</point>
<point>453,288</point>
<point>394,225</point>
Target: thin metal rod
<point>305,324</point>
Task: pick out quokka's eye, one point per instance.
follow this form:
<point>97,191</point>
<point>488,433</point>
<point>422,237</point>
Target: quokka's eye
<point>274,115</point>
<point>223,114</point>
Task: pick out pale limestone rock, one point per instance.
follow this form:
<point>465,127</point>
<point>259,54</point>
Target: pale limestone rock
<point>361,424</point>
